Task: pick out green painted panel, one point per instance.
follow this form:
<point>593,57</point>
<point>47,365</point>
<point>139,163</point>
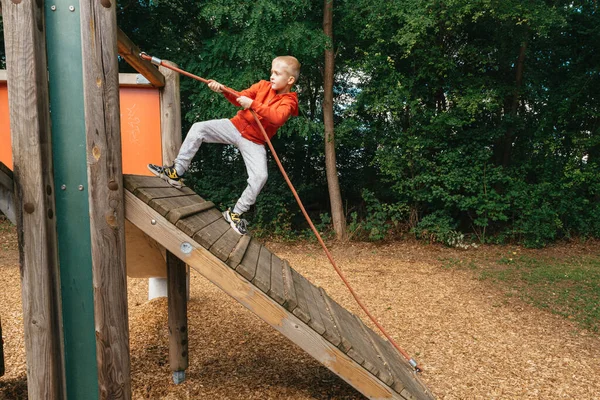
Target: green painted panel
<point>63,41</point>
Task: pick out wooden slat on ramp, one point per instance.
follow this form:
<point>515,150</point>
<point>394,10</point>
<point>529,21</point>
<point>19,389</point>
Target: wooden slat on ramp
<point>268,286</point>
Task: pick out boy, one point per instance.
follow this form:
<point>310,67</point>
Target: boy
<point>273,102</point>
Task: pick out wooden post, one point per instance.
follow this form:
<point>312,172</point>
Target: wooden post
<point>25,40</point>
<point>178,326</point>
<point>170,108</point>
<point>105,190</point>
<point>1,351</point>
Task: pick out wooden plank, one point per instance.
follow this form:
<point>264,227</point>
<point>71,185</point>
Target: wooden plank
<point>98,22</point>
<point>149,194</point>
<point>225,244</point>
<point>262,278</point>
<point>406,380</point>
<point>133,182</point>
<point>8,204</point>
<point>345,344</point>
<point>1,351</point>
<point>6,177</point>
<point>24,38</point>
<point>177,308</point>
<point>7,196</point>
<point>301,310</point>
<point>166,204</point>
<point>372,353</point>
<point>331,332</point>
<point>208,235</point>
<point>170,114</point>
<point>204,262</point>
<point>361,349</point>
<point>131,53</point>
<point>291,300</point>
<point>176,214</point>
<point>247,268</point>
<point>238,252</point>
<point>316,322</point>
<point>276,292</point>
<point>194,223</point>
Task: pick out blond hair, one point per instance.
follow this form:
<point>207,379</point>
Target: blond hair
<point>292,63</point>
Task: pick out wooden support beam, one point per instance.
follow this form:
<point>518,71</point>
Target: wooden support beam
<point>1,351</point>
<point>170,132</point>
<point>25,41</point>
<point>7,196</point>
<point>131,53</point>
<point>98,23</point>
<point>204,262</point>
<point>178,323</point>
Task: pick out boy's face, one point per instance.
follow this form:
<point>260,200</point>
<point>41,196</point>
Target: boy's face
<point>280,77</point>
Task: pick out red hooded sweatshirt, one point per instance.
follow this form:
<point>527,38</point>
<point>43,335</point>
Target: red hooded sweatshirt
<point>272,109</point>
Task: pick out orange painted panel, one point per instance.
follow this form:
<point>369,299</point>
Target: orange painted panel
<point>140,129</point>
<point>5,143</point>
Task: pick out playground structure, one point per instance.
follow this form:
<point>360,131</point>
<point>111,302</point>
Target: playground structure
<point>77,212</point>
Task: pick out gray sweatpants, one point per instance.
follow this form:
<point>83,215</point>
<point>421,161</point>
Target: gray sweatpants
<point>223,131</point>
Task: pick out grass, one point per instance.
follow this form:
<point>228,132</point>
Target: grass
<point>569,286</point>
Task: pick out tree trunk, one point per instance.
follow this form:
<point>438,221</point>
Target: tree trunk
<point>335,197</point>
<point>512,104</point>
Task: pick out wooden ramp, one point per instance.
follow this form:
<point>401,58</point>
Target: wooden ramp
<point>194,230</point>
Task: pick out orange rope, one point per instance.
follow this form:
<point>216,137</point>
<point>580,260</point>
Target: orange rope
<point>412,362</point>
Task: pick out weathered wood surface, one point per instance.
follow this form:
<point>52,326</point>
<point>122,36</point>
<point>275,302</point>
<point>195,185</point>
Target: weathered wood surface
<point>241,289</point>
<point>291,300</point>
<point>175,214</point>
<point>170,114</point>
<point>1,351</point>
<point>25,42</point>
<point>196,222</point>
<point>177,305</point>
<point>247,268</point>
<point>149,194</point>
<point>98,22</point>
<point>208,235</point>
<point>173,204</point>
<point>262,279</point>
<point>175,209</point>
<point>236,255</point>
<point>7,194</point>
<point>145,257</point>
<point>291,294</point>
<point>276,291</point>
<point>301,310</point>
<point>131,53</point>
<point>225,244</point>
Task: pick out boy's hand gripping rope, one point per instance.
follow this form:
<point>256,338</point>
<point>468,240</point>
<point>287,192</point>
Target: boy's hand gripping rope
<point>412,362</point>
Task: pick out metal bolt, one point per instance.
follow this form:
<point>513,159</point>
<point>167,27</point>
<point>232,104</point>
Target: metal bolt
<point>153,222</point>
<point>80,187</point>
<point>63,187</point>
<point>186,248</point>
<point>71,8</point>
<point>53,8</point>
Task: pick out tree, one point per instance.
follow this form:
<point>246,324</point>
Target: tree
<point>335,196</point>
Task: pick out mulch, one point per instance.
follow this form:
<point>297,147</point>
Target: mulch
<point>473,340</point>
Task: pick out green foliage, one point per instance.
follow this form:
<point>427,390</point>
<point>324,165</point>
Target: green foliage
<point>437,126</point>
<point>568,287</point>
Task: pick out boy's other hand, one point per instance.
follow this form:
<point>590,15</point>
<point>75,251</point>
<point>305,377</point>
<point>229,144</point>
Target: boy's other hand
<point>244,101</point>
<point>215,86</point>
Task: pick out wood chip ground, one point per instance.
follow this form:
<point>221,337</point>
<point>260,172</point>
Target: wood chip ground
<point>472,341</point>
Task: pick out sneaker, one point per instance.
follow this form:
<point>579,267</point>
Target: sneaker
<point>169,174</point>
<point>238,224</point>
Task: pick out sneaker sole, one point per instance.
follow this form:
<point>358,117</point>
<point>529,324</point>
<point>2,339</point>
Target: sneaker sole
<point>231,223</point>
<point>175,184</point>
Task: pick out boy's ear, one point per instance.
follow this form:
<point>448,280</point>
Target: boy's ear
<point>291,80</point>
